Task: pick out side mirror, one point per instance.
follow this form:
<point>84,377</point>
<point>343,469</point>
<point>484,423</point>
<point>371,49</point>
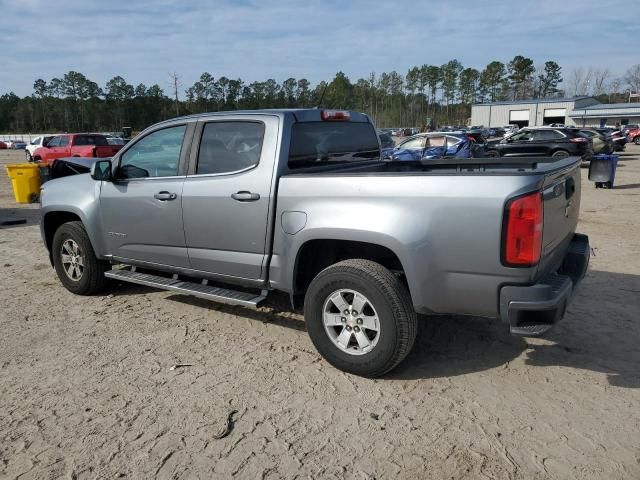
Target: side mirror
<point>101,170</point>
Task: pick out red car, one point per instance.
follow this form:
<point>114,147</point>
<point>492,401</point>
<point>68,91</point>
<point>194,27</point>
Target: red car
<point>3,146</point>
<point>75,145</point>
<point>634,136</point>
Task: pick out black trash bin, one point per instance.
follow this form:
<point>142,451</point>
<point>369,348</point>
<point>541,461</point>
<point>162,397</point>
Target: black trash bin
<point>45,173</point>
<point>602,170</point>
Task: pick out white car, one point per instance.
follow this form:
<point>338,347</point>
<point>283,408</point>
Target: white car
<point>509,129</point>
<point>34,144</point>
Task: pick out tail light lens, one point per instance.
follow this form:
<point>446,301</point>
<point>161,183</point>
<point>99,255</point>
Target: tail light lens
<point>335,115</point>
<point>578,140</point>
<point>522,231</point>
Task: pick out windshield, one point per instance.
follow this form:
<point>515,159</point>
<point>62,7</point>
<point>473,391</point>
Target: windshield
<point>321,143</point>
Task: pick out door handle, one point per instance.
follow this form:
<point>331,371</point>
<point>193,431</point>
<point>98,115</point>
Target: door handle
<point>164,196</point>
<point>244,196</point>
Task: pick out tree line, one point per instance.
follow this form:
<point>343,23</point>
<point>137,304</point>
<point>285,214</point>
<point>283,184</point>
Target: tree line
<point>427,94</point>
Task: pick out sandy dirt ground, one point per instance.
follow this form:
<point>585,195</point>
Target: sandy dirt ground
<point>87,390</point>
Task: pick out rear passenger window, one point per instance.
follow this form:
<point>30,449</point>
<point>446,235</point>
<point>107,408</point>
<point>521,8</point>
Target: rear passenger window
<point>547,135</point>
<point>64,141</point>
<point>228,147</point>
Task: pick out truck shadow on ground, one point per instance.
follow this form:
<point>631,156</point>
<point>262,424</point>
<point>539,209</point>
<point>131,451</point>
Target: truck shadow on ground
<point>626,187</point>
<point>600,333</point>
<point>10,215</point>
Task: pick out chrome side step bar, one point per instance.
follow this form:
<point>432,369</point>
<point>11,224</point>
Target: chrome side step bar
<point>202,290</point>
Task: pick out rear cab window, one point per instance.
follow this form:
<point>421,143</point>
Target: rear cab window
<point>316,144</point>
<point>94,140</point>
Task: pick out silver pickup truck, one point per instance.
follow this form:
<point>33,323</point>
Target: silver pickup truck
<point>231,206</point>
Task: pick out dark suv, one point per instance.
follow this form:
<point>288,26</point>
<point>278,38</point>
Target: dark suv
<point>541,141</point>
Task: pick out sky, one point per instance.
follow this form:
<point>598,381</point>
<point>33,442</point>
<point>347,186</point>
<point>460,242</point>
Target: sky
<point>144,40</point>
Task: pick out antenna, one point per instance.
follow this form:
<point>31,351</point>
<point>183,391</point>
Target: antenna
<point>321,96</point>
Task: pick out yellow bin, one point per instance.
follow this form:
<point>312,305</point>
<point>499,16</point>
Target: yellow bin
<point>25,178</point>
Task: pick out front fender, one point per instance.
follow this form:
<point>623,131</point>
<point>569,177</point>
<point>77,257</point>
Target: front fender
<point>77,195</point>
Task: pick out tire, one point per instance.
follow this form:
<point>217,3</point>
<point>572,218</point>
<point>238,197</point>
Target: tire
<point>29,157</point>
<point>560,154</point>
<point>492,154</point>
<point>388,306</point>
<point>90,279</point>
<point>637,140</point>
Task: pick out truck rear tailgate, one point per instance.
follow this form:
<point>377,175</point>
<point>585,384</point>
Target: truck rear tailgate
<point>561,197</point>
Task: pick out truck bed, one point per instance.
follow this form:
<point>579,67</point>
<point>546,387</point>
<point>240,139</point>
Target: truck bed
<point>492,166</point>
<point>444,220</point>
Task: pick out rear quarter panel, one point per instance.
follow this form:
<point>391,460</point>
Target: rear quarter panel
<point>445,229</point>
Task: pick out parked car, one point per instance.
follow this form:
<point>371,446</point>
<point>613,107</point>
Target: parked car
<point>116,141</point>
<point>600,140</point>
<point>633,136</point>
<point>479,134</point>
<point>35,144</point>
<point>300,201</point>
<point>509,129</point>
<point>385,140</point>
<point>405,132</point>
<point>619,141</point>
<point>625,128</point>
<point>3,146</point>
<point>15,144</point>
<point>75,145</point>
<point>426,146</point>
<point>541,141</point>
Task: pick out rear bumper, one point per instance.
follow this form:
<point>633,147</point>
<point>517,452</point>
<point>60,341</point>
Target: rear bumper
<point>532,310</point>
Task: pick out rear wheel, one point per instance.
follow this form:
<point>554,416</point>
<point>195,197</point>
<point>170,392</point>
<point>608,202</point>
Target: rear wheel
<point>560,154</point>
<point>492,154</point>
<point>637,140</point>
<point>75,260</point>
<point>360,317</point>
<point>29,157</point>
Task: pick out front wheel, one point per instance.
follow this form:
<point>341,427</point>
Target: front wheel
<point>75,260</point>
<point>360,317</point>
<point>29,158</point>
<point>560,154</point>
<point>637,140</point>
<point>492,154</point>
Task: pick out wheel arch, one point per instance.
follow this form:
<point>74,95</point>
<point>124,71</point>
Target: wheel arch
<point>54,219</point>
<point>315,255</point>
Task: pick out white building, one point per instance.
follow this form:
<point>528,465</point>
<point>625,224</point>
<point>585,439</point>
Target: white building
<point>601,114</point>
<point>529,113</point>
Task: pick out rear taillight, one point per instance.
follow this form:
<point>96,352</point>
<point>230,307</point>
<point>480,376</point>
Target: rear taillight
<point>335,115</point>
<point>93,152</point>
<point>578,140</point>
<point>522,231</point>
